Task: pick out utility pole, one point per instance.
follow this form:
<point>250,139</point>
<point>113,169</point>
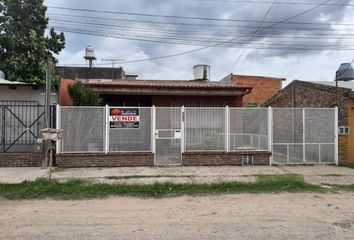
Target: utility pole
<point>47,92</point>
<point>47,108</point>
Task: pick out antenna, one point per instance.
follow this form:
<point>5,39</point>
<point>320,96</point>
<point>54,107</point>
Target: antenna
<point>112,61</point>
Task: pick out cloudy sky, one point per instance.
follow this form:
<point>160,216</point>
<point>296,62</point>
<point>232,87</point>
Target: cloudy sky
<point>253,37</point>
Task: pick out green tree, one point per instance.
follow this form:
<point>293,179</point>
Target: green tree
<point>83,96</point>
<point>24,48</point>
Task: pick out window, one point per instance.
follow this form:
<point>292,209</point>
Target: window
<point>343,130</point>
<point>248,159</point>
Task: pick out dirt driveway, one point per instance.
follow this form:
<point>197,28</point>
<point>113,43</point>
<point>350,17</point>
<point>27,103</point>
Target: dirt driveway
<point>242,216</point>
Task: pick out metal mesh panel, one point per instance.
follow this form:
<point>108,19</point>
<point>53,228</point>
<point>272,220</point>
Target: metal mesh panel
<point>287,126</point>
<point>248,129</point>
<point>168,151</point>
<point>19,126</point>
<point>205,129</point>
<point>84,129</point>
<point>168,148</point>
<point>319,132</point>
<point>288,135</point>
<point>133,139</point>
<point>327,153</point>
<point>303,136</point>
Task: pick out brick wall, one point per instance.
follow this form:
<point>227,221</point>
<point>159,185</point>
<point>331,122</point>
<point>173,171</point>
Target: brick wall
<point>299,94</point>
<point>104,160</point>
<point>20,160</point>
<point>222,158</point>
<point>343,149</point>
<point>263,88</point>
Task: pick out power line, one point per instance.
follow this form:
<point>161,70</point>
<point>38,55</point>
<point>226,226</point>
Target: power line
<point>185,30</point>
<point>190,18</point>
<point>194,42</point>
<point>251,38</point>
<point>174,16</point>
<point>278,3</point>
<point>214,45</point>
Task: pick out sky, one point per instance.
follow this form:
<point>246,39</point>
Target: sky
<point>251,37</point>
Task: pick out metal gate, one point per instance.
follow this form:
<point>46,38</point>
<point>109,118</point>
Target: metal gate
<point>167,136</point>
<point>19,126</point>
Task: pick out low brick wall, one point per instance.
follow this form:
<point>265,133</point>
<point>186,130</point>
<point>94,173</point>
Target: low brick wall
<point>124,159</point>
<point>222,158</point>
<point>20,160</point>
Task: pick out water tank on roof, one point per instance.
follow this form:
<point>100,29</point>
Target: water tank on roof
<point>201,72</point>
<point>89,53</point>
<point>345,72</point>
<point>2,75</point>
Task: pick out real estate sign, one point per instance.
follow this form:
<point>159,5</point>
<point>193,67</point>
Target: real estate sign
<point>124,118</point>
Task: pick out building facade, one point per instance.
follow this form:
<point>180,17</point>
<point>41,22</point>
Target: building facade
<point>263,87</point>
<point>299,94</point>
<point>127,90</point>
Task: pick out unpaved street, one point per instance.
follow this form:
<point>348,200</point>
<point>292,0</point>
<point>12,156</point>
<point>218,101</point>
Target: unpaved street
<point>242,216</point>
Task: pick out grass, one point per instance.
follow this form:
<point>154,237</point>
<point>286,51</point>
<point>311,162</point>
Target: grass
<point>81,189</point>
<point>145,176</point>
<point>349,188</point>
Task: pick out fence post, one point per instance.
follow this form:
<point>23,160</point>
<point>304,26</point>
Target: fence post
<point>182,129</point>
<point>106,142</point>
<point>303,135</point>
<point>270,133</point>
<point>336,135</point>
<point>227,128</point>
<point>58,123</point>
<point>153,129</point>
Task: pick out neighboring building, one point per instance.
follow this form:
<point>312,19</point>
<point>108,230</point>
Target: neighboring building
<point>128,91</point>
<point>301,94</point>
<point>21,119</point>
<point>92,73</point>
<point>263,88</point>
<point>24,92</point>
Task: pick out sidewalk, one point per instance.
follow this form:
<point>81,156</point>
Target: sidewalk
<point>148,175</point>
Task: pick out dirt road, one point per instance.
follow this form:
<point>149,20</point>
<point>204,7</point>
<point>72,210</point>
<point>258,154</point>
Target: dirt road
<point>243,216</point>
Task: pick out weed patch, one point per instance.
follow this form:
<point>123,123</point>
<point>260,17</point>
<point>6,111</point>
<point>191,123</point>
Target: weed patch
<point>83,189</point>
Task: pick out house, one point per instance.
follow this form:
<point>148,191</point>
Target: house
<point>127,90</point>
<point>299,94</point>
<point>19,92</point>
<point>21,119</point>
<point>263,87</point>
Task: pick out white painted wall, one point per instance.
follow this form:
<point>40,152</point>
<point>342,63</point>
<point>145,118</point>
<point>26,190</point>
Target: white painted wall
<point>26,93</point>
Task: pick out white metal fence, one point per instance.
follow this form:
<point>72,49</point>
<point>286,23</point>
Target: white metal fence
<point>293,135</point>
<point>304,136</point>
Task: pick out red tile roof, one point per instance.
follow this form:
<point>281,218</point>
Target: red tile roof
<point>165,84</point>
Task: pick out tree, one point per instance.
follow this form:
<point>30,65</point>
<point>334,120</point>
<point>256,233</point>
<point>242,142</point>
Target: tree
<point>24,48</point>
<point>83,96</point>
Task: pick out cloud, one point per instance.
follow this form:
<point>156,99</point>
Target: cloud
<point>291,64</point>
